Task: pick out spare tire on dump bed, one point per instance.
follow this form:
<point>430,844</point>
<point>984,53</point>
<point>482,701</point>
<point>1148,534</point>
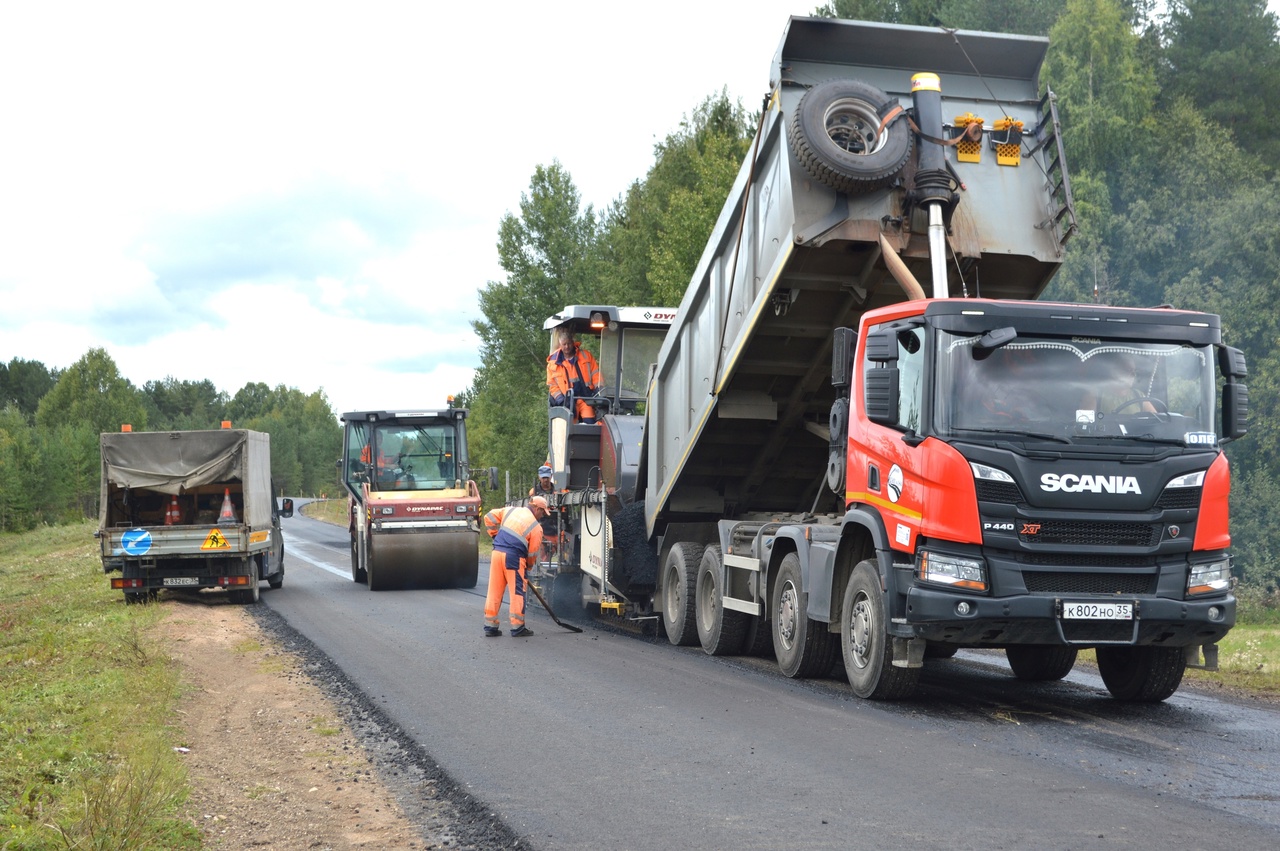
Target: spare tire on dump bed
<point>835,134</point>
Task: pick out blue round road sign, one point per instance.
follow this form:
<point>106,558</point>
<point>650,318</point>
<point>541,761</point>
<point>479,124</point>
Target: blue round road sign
<point>136,542</point>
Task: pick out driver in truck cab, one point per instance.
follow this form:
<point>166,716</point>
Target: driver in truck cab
<point>572,370</point>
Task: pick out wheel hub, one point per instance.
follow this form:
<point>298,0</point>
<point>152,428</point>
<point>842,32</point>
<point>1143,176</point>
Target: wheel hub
<point>860,632</point>
<point>787,614</point>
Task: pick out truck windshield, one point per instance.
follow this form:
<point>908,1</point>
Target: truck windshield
<point>1075,388</point>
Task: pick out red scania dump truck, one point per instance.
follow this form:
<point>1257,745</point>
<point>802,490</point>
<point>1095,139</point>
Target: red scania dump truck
<point>835,463</point>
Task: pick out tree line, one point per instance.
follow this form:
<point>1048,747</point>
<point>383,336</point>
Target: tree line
<point>1166,111</point>
<point>51,419</point>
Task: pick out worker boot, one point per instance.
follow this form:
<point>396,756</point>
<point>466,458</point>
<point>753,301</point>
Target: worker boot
<point>492,632</point>
<point>521,632</point>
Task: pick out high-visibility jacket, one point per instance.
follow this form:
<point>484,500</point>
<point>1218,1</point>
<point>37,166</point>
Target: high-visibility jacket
<point>514,530</point>
<point>579,375</point>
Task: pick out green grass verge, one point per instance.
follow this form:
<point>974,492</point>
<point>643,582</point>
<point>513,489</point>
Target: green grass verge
<point>87,697</point>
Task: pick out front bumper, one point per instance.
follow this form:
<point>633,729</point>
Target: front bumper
<point>1036,619</point>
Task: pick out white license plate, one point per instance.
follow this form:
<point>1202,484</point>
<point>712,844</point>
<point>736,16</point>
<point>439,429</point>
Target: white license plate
<point>1097,611</point>
<point>181,580</point>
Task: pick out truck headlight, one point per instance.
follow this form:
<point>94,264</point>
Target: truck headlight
<point>1211,577</point>
<point>953,571</point>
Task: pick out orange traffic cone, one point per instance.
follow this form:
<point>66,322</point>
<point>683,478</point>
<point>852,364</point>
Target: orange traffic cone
<point>228,514</point>
<point>172,514</point>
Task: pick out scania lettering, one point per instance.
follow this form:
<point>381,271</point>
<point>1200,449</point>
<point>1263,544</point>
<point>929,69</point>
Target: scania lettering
<point>1072,483</point>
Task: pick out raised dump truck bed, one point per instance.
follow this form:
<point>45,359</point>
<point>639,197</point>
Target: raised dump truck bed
<point>798,248</point>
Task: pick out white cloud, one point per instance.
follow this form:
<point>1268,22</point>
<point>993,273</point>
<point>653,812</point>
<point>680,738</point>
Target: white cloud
<point>309,193</point>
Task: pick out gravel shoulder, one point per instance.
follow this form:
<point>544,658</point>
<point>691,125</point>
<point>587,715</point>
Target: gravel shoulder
<point>284,753</point>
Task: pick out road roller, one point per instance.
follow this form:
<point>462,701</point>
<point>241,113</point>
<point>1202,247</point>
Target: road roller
<point>414,511</point>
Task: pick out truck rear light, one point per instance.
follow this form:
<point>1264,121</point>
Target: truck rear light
<point>226,581</point>
<point>118,584</point>
<point>952,571</point>
<point>1211,577</point>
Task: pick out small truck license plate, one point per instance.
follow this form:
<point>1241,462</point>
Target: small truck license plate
<point>181,580</point>
<point>1079,610</point>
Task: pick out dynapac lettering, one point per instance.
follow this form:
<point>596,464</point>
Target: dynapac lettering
<point>1071,483</point>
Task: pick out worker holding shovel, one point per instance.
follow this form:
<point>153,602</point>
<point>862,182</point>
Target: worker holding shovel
<point>517,535</point>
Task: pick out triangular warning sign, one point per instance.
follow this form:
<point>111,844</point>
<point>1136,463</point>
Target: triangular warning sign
<point>215,541</point>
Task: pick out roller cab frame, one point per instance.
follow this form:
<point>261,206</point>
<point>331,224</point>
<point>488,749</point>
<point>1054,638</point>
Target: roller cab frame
<point>413,508</point>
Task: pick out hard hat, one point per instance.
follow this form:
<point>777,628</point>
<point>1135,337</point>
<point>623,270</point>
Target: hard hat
<point>538,502</point>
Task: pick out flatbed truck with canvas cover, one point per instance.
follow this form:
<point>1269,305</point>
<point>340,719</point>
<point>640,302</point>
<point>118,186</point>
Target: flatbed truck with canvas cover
<point>835,464</point>
<point>190,510</point>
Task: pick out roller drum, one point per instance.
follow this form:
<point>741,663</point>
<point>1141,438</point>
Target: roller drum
<point>423,558</point>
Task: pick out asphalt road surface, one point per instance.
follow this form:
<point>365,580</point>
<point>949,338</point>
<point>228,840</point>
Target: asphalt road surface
<point>608,739</point>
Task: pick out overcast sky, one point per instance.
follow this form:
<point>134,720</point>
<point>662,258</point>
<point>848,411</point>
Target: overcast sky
<point>309,193</point>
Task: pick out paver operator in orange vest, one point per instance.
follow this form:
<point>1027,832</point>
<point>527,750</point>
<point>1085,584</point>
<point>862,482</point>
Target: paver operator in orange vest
<point>517,535</point>
<point>573,369</point>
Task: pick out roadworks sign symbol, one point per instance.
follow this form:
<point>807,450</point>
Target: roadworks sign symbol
<point>215,541</point>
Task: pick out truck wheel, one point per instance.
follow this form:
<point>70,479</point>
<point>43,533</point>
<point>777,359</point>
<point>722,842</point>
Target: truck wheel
<point>253,592</point>
<point>1040,662</point>
<point>357,573</point>
<point>277,579</point>
<point>1141,674</point>
<point>864,640</point>
<point>835,135</point>
<point>802,647</point>
<point>721,631</point>
<point>679,578</point>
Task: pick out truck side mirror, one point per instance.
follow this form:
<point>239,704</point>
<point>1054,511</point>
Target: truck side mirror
<point>843,343</point>
<point>493,478</point>
<point>286,507</point>
<point>881,396</point>
<point>882,345</point>
<point>1235,410</point>
<point>1231,363</point>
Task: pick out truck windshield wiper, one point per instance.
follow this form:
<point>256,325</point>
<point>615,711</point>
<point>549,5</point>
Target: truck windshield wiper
<point>1015,432</point>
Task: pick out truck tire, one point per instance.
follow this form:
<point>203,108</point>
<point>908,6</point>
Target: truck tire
<point>1040,662</point>
<point>276,580</point>
<point>679,578</point>
<point>357,572</point>
<point>833,134</point>
<point>864,640</point>
<point>1141,674</point>
<point>252,594</point>
<point>803,647</point>
<point>721,631</point>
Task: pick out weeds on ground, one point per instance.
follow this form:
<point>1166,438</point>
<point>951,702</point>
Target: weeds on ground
<point>85,699</point>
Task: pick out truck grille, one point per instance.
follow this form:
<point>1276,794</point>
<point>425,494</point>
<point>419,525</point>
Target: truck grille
<point>1002,492</point>
<point>1064,582</point>
<point>1092,534</point>
<point>1076,559</point>
<point>1175,498</point>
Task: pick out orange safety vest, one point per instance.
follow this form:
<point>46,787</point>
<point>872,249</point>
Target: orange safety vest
<point>561,375</point>
<point>519,532</point>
